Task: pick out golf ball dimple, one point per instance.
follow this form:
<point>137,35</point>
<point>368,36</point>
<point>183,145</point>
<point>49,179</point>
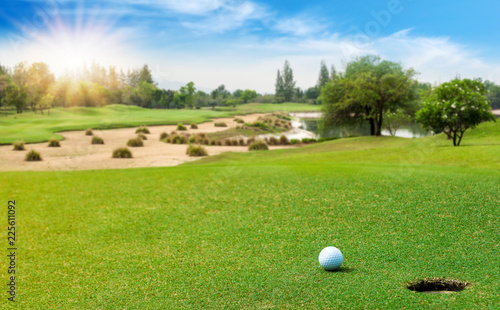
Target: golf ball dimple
<point>330,258</point>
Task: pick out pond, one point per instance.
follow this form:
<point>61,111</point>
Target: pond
<point>308,122</point>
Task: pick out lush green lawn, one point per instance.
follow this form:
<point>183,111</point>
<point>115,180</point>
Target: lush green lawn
<point>245,230</point>
<point>32,127</point>
<point>270,107</point>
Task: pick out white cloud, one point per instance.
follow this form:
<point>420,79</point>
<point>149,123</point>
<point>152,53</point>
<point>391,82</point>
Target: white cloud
<point>299,26</point>
<point>228,17</point>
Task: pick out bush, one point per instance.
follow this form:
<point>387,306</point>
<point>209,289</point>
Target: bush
<point>219,142</point>
<point>18,145</point>
<point>242,142</point>
<point>97,140</point>
<point>251,140</point>
<point>308,140</point>
<point>239,121</point>
<point>213,142</point>
<point>228,142</point>
<point>181,127</point>
<point>33,156</point>
<point>142,129</point>
<point>88,132</point>
<point>273,141</point>
<point>54,143</point>
<point>142,136</point>
<point>258,145</point>
<point>196,150</point>
<point>295,141</point>
<point>284,140</point>
<point>194,126</point>
<point>122,152</point>
<point>220,124</point>
<point>135,142</point>
<point>235,142</point>
<point>163,136</point>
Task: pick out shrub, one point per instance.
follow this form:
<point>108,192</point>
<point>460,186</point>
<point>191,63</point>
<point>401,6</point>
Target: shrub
<point>33,156</point>
<point>273,141</point>
<point>142,129</point>
<point>54,143</point>
<point>213,142</point>
<point>163,136</point>
<point>251,140</point>
<point>135,142</point>
<point>202,135</point>
<point>295,141</point>
<point>242,142</point>
<point>235,142</point>
<point>97,140</point>
<point>196,150</point>
<point>88,132</point>
<point>18,145</point>
<point>220,124</point>
<point>308,140</point>
<point>219,142</point>
<point>191,140</point>
<point>284,140</point>
<point>142,136</point>
<point>122,152</point>
<point>228,142</point>
<point>181,127</point>
<point>194,126</point>
<point>239,121</point>
<point>258,145</point>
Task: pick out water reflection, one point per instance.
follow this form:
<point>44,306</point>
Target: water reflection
<point>310,123</point>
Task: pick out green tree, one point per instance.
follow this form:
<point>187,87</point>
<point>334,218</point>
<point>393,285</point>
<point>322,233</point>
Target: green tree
<point>493,94</point>
<point>15,96</point>
<point>394,120</point>
<point>40,79</point>
<point>368,88</point>
<point>248,95</point>
<point>145,75</point>
<point>288,82</point>
<point>324,76</point>
<point>279,88</point>
<point>454,107</point>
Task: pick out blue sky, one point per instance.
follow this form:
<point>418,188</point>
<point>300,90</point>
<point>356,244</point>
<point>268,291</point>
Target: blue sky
<point>243,43</point>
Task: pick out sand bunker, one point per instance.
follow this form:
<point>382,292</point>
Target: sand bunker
<point>77,153</point>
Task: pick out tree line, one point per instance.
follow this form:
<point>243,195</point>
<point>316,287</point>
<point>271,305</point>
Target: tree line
<point>35,87</point>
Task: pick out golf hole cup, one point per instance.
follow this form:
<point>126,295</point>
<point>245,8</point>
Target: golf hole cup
<point>330,258</point>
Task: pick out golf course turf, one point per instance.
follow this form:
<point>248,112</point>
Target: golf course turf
<point>243,231</point>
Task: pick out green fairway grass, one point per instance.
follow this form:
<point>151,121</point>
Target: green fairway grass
<point>33,128</point>
<point>245,230</point>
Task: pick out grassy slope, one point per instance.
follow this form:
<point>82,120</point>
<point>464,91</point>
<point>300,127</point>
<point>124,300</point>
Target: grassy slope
<point>244,230</point>
<point>32,127</point>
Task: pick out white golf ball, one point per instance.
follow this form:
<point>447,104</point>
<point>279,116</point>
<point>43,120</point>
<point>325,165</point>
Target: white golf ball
<point>330,258</point>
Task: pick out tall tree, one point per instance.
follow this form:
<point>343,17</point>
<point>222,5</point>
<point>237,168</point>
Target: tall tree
<point>288,82</point>
<point>367,89</point>
<point>145,75</point>
<point>15,96</point>
<point>279,87</point>
<point>40,79</point>
<point>333,73</point>
<point>324,76</point>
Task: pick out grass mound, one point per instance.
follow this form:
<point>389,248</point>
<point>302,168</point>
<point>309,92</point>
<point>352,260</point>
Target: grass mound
<point>97,140</point>
<point>54,143</point>
<point>163,136</point>
<point>181,127</point>
<point>88,132</point>
<point>33,156</point>
<point>142,136</point>
<point>199,150</point>
<point>18,145</point>
<point>194,126</point>
<point>258,145</point>
<point>122,152</point>
<point>220,124</point>
<point>136,142</point>
<point>142,129</point>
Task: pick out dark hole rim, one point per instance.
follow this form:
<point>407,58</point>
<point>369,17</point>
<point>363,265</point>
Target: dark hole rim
<point>438,285</point>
